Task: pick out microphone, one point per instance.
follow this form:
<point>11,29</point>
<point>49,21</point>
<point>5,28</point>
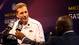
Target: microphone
<point>19,27</point>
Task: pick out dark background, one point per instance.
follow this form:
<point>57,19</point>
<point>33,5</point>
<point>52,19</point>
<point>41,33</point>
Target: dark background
<point>66,11</point>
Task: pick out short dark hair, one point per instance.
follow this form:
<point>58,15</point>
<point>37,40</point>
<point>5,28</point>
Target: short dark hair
<point>64,23</point>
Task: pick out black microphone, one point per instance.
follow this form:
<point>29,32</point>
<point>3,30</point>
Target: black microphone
<point>19,27</point>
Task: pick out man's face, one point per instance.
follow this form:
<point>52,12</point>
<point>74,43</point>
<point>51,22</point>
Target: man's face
<point>22,14</point>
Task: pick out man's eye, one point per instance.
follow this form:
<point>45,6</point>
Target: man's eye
<point>21,13</point>
<point>25,11</point>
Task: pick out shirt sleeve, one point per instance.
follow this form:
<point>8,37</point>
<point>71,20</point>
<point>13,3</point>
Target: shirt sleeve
<point>11,24</point>
<point>40,34</point>
<point>13,30</point>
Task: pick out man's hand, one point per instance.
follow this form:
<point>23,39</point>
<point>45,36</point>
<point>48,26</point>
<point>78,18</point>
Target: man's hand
<point>19,35</point>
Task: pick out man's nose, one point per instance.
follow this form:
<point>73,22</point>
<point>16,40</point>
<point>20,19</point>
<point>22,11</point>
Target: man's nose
<point>24,14</point>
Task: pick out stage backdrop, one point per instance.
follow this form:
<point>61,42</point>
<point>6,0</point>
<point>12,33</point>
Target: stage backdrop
<point>72,9</point>
<point>45,11</point>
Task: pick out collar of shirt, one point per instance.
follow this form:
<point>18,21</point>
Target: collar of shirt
<point>28,23</point>
<point>68,31</point>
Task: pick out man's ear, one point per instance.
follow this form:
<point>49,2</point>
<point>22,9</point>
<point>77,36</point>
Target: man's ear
<point>17,15</point>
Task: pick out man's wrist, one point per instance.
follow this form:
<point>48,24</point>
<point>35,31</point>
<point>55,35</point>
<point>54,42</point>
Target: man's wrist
<point>23,38</point>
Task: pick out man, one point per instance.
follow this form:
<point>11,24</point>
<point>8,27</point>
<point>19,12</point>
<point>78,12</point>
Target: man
<point>26,27</point>
<point>66,35</point>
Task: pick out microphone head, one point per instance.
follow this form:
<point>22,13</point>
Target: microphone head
<point>19,27</point>
<point>10,39</point>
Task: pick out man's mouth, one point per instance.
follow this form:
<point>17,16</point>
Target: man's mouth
<point>24,17</point>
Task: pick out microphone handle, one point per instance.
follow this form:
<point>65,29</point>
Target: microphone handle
<point>18,29</point>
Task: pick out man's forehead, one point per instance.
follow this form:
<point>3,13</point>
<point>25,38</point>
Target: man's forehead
<point>24,8</point>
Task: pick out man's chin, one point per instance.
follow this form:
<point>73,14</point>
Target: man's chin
<point>22,21</point>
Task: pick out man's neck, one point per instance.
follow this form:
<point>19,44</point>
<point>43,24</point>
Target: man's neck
<point>24,23</point>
